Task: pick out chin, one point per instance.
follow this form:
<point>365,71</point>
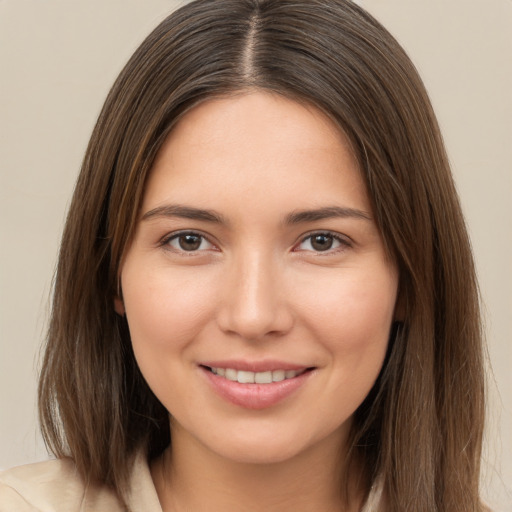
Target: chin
<point>259,454</point>
<point>267,444</point>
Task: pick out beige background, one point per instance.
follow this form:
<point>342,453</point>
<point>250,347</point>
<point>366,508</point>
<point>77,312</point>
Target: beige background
<point>58,59</point>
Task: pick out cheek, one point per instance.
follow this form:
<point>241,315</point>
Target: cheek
<point>165,308</point>
<point>165,312</point>
<point>352,318</point>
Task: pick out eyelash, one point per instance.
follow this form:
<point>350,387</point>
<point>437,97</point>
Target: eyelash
<point>344,243</point>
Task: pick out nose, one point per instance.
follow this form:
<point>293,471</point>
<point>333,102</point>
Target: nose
<point>255,304</point>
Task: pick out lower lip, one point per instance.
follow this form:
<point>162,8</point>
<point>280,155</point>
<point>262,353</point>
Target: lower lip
<point>255,396</point>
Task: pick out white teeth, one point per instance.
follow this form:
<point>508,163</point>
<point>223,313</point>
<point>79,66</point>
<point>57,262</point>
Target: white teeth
<point>278,375</point>
<point>245,377</point>
<point>263,377</point>
<point>230,374</point>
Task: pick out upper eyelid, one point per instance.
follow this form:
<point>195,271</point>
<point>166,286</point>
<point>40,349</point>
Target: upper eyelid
<point>338,236</point>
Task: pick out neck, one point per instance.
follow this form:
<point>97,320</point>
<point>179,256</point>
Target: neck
<point>191,477</point>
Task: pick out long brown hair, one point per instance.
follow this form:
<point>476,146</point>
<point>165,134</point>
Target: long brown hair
<point>420,428</point>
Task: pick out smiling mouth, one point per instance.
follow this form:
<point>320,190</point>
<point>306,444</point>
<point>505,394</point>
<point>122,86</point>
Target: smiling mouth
<point>248,377</point>
<point>242,386</point>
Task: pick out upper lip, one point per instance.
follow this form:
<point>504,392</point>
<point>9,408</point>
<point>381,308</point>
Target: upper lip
<point>255,366</point>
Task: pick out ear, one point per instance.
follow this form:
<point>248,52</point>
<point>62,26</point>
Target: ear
<point>119,306</point>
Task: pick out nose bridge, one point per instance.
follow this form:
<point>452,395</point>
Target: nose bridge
<point>254,304</point>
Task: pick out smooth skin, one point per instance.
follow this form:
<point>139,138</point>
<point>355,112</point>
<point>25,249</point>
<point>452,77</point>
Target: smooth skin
<point>256,242</point>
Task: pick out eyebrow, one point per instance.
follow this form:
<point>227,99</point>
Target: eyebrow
<point>295,217</point>
<point>185,212</point>
<point>328,212</point>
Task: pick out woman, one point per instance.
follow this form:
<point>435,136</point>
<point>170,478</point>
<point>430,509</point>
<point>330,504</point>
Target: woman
<point>265,296</point>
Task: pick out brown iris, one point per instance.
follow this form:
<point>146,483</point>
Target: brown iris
<point>321,242</point>
<point>189,242</point>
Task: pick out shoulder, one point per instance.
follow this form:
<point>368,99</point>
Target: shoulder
<point>52,486</point>
<point>375,500</point>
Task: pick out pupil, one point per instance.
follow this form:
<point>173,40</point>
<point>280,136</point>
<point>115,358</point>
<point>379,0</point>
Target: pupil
<point>322,242</point>
<point>190,242</point>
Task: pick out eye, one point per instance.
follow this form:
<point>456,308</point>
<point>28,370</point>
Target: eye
<point>188,241</point>
<point>322,242</point>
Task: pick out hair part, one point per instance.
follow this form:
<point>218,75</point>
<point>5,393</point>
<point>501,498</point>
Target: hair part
<point>420,428</point>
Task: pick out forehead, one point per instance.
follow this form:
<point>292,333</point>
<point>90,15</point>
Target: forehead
<point>255,143</point>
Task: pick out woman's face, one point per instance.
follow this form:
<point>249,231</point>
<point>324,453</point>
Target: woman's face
<point>257,290</point>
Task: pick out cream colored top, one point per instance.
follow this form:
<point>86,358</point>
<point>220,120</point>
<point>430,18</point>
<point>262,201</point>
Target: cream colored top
<point>55,486</point>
